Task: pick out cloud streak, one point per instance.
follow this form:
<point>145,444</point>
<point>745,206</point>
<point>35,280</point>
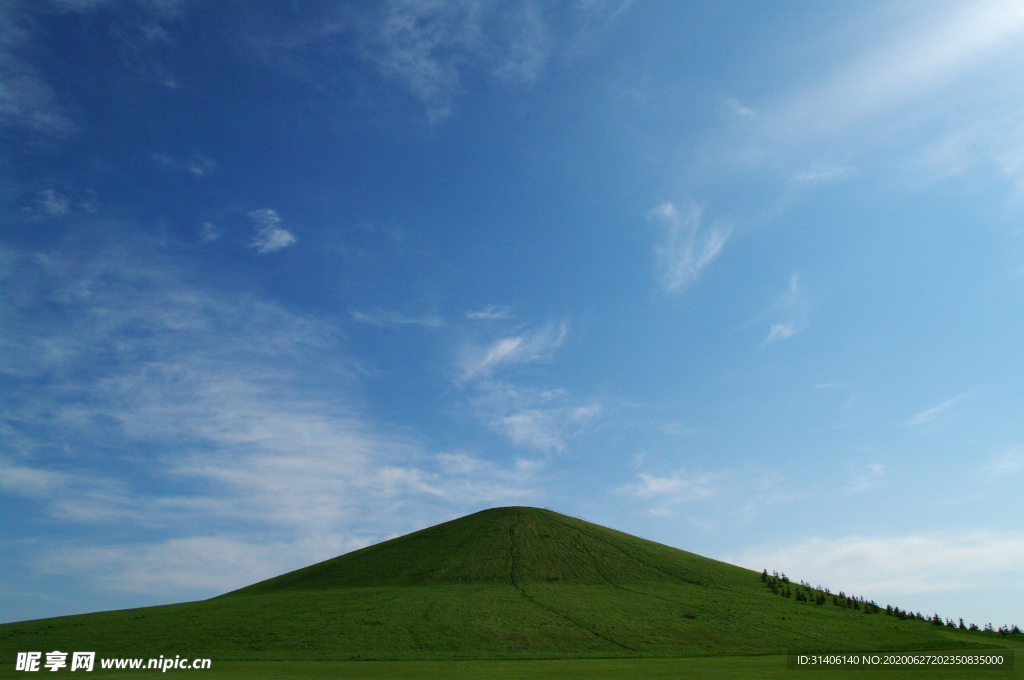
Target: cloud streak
<point>529,347</point>
<point>687,247</point>
<point>793,310</point>
<point>393,319</point>
<point>224,423</point>
<point>899,565</point>
<point>929,415</point>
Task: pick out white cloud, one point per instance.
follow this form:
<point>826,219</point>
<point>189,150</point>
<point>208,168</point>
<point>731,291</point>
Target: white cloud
<point>228,423</point>
<point>793,310</point>
<point>200,166</point>
<point>868,477</point>
<point>270,237</point>
<point>490,312</point>
<point>929,414</point>
<point>1009,464</point>
<point>680,486</point>
<point>26,481</point>
<point>542,419</point>
<point>197,165</point>
<point>28,101</point>
<point>780,331</point>
<point>481,361</point>
<point>740,110</point>
<point>430,46</point>
<point>707,499</point>
<point>920,60</point>
<point>208,564</point>
<point>687,247</point>
<point>390,319</point>
<point>54,203</point>
<point>210,232</point>
<point>546,419</point>
<point>820,173</point>
<point>900,565</point>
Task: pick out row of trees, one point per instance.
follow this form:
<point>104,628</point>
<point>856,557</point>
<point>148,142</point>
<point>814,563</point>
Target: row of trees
<point>780,585</point>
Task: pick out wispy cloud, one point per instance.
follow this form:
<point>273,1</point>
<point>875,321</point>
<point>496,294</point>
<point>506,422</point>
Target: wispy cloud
<point>543,419</point>
<point>1007,465</point>
<point>226,422</point>
<point>209,232</point>
<point>431,46</point>
<point>820,173</point>
<point>270,237</point>
<point>865,478</point>
<point>54,203</point>
<point>929,414</point>
<point>707,498</point>
<point>27,100</point>
<point>919,61</point>
<point>427,45</point>
<point>528,347</point>
<point>680,486</point>
<point>547,419</point>
<point>490,312</point>
<point>792,308</point>
<point>687,247</point>
<point>197,164</point>
<point>897,565</point>
<point>739,109</point>
<point>391,319</point>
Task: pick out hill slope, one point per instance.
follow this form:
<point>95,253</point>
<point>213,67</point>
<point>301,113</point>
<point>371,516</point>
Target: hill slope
<point>502,583</point>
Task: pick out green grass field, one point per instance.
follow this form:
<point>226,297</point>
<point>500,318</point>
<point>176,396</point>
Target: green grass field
<point>517,592</point>
<point>702,668</point>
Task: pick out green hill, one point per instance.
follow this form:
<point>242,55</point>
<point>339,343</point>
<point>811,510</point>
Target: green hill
<point>502,583</point>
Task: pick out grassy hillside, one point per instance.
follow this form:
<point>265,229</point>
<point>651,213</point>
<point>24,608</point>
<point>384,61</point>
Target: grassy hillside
<point>503,583</point>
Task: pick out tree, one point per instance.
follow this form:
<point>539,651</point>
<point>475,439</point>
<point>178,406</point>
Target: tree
<point>962,626</point>
<point>764,575</point>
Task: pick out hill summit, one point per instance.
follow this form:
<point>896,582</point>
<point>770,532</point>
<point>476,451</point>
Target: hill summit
<point>512,546</point>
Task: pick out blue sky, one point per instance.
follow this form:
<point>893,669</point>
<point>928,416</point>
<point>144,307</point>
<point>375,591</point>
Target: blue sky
<point>281,280</point>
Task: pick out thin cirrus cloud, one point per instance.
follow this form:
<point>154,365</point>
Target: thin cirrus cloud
<point>426,45</point>
<point>393,319</point>
<point>792,308</point>
<point>540,344</point>
<point>54,203</point>
<point>430,47</point>
<point>930,414</point>
<point>27,100</point>
<point>687,247</point>
<point>270,237</point>
<point>541,418</point>
<point>490,313</point>
<point>1007,465</point>
<point>709,498</point>
<point>903,69</point>
<point>898,565</point>
<point>228,417</point>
